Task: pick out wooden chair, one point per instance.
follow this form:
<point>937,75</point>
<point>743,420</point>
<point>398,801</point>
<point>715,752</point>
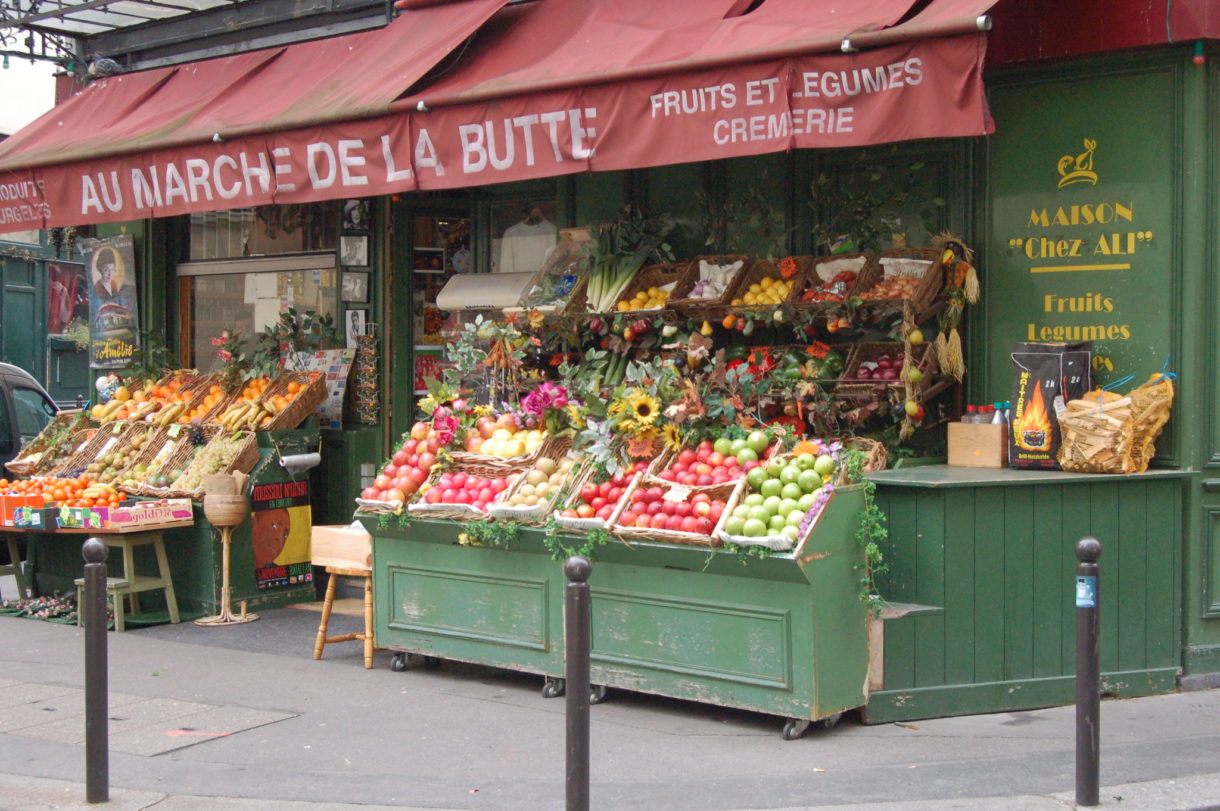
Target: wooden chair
<point>344,552</point>
<point>130,584</point>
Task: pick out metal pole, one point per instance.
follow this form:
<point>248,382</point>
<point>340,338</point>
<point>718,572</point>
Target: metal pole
<point>1088,673</point>
<point>97,755</point>
<point>576,639</point>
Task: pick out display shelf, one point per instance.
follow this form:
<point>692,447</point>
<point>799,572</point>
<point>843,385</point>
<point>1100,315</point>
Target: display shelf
<point>946,476</point>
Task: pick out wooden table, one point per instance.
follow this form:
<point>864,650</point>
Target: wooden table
<point>129,584</point>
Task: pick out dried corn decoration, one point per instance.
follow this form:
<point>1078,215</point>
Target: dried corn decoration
<point>908,362</point>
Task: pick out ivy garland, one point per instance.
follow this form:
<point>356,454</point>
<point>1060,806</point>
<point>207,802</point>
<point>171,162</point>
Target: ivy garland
<point>744,553</point>
<point>870,534</point>
<point>594,539</point>
<point>494,534</point>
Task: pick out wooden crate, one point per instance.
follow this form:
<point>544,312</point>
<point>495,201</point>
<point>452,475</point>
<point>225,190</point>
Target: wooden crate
<point>978,445</point>
<point>341,547</point>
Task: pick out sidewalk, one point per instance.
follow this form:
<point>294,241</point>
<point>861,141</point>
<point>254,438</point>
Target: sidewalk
<point>245,714</point>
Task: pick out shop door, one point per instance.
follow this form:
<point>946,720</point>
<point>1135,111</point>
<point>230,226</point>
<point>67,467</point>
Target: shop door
<point>432,242</point>
<point>23,326</point>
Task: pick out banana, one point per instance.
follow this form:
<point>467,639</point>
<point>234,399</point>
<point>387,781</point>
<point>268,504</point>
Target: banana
<point>170,413</point>
<point>270,407</point>
<point>256,414</point>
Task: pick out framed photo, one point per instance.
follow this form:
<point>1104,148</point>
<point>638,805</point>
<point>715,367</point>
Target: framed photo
<point>355,287</point>
<point>354,251</point>
<point>356,215</point>
<point>355,326</point>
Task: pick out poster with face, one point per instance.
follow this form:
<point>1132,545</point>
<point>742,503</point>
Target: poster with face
<point>113,316</point>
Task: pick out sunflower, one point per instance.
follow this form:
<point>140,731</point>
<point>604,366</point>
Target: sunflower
<point>616,407</point>
<point>482,410</point>
<point>672,437</point>
<point>644,407</point>
<point>578,420</point>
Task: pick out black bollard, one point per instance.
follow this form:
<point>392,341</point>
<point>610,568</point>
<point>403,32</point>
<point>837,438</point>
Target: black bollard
<point>1088,673</point>
<point>97,754</point>
<point>576,643</point>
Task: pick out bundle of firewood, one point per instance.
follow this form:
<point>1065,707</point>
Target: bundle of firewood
<point>1104,432</point>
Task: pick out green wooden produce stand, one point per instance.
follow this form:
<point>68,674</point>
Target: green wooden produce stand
<point>785,635</point>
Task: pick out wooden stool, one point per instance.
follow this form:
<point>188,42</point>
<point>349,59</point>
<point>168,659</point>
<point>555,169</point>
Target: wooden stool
<point>131,584</point>
<point>323,640</point>
<point>14,568</point>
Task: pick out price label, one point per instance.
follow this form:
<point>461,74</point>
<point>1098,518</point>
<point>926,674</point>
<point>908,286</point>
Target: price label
<point>818,349</point>
<point>174,430</point>
<point>676,494</point>
<point>118,426</point>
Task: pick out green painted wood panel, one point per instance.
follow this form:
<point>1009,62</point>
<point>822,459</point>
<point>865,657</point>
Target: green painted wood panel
<point>1009,618</point>
<point>959,586</point>
<point>1018,582</point>
<point>1050,586</point>
<point>930,639</point>
<point>1132,606</point>
<point>989,585</point>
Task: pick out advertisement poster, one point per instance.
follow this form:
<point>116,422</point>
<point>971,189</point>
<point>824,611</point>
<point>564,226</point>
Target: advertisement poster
<point>336,364</point>
<point>67,296</point>
<point>281,522</point>
<point>113,316</point>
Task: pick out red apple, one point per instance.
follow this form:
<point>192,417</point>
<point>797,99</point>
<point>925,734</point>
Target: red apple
<point>674,522</point>
<point>702,509</point>
<point>433,496</point>
<point>399,458</point>
<point>383,482</point>
<point>598,502</point>
<point>371,494</point>
<point>420,430</point>
<point>690,523</point>
<point>658,521</point>
<point>426,461</point>
<point>627,518</point>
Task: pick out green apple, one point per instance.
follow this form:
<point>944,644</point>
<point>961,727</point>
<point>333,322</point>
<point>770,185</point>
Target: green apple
<point>777,523</point>
<point>808,481</point>
<point>791,533</point>
<point>911,407</point>
<point>756,477</point>
<point>796,517</point>
<point>771,504</point>
<point>774,466</point>
<point>805,461</point>
<point>786,506</point>
<point>753,500</point>
<point>805,502</point>
<point>723,446</point>
<point>914,375</point>
<point>771,487</point>
<point>792,490</point>
<point>747,455</point>
<point>825,465</point>
<point>789,474</point>
<point>761,514</point>
<point>758,441</point>
<point>734,525</point>
<point>741,511</point>
<point>735,446</point>
<point>754,528</point>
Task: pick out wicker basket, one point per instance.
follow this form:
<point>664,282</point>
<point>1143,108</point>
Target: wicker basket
<point>154,454</point>
<point>538,512</point>
<point>825,268</point>
<point>876,457</point>
<point>65,422</point>
<point>729,491</point>
<point>311,395</point>
<point>930,280</point>
<point>922,356</point>
<point>763,268</point>
<point>483,464</point>
<point>130,432</point>
<point>571,501</point>
<point>652,276</point>
<point>244,460</point>
<point>678,298</point>
<point>459,512</point>
<point>98,441</point>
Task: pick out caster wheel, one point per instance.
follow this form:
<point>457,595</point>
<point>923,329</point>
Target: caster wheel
<point>399,663</point>
<point>795,729</point>
<point>597,693</point>
<point>553,688</point>
<point>432,663</point>
<point>830,721</point>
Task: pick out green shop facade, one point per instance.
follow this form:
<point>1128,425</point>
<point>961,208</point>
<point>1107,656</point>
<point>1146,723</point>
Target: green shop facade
<point>1092,209</point>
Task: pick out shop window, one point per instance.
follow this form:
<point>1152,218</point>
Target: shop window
<point>263,231</point>
<point>249,299</point>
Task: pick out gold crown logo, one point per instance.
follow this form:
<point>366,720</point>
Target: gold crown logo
<point>1078,168</point>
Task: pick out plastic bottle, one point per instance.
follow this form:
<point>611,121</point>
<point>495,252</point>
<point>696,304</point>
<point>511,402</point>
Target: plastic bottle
<point>971,414</point>
<point>997,416</point>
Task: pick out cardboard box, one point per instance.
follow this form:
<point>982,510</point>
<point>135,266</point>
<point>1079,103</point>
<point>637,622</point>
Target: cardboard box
<point>10,505</point>
<point>83,517</point>
<point>972,445</point>
<point>342,547</point>
<point>151,513</point>
<point>35,517</point>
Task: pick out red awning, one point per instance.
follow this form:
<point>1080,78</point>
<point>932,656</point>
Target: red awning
<point>548,88</point>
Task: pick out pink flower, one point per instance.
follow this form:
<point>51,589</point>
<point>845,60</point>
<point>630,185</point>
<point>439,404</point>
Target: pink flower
<point>225,355</point>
